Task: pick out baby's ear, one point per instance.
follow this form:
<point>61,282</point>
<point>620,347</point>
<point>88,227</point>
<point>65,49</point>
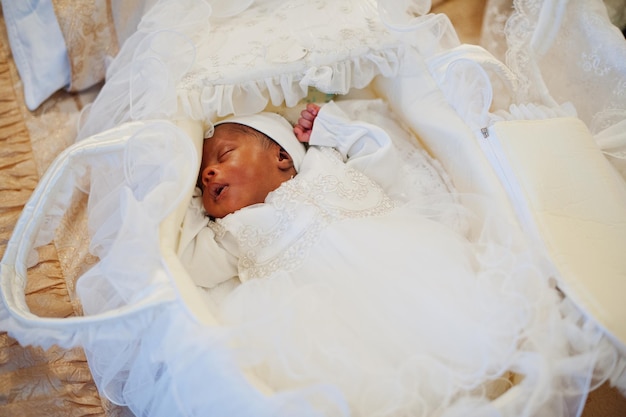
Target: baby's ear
<point>284,160</point>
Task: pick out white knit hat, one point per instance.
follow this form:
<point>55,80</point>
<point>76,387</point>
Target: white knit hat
<point>276,128</point>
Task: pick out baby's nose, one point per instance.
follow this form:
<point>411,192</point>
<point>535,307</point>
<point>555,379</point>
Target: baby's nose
<point>207,174</point>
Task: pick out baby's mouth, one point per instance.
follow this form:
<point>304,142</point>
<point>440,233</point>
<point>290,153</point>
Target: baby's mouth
<point>217,189</point>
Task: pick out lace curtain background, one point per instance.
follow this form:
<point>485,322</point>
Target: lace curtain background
<point>567,51</point>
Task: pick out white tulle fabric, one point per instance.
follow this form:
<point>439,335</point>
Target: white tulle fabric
<point>467,327</point>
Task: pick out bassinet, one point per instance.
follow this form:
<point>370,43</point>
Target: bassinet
<point>391,69</point>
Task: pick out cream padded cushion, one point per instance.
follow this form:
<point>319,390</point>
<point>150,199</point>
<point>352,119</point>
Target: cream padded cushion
<point>578,203</point>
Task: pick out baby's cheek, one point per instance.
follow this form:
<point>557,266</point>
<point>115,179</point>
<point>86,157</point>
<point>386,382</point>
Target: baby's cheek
<point>206,203</point>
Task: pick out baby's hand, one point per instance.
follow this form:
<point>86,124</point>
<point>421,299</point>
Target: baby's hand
<point>304,126</point>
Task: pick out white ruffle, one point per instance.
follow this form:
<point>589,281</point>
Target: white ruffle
<point>204,100</point>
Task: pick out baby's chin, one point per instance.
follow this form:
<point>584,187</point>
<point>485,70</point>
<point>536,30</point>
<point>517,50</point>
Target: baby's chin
<point>213,213</point>
<point>221,212</point>
<point>230,204</point>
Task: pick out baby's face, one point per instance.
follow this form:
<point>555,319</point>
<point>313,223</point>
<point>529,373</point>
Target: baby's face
<point>237,171</point>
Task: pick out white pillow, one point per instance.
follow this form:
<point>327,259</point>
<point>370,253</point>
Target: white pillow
<point>38,48</point>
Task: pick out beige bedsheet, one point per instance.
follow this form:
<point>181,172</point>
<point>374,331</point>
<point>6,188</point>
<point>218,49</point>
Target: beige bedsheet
<point>57,382</point>
<point>34,382</point>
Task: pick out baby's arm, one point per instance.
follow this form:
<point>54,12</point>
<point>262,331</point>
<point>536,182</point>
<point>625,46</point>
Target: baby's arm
<point>303,128</point>
<point>362,145</point>
<point>365,146</point>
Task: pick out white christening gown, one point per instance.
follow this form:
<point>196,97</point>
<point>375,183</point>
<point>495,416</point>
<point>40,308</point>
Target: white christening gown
<point>349,281</point>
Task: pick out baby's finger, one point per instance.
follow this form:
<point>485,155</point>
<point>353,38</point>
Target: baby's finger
<point>313,108</point>
<point>301,135</point>
<point>305,123</point>
<point>306,114</point>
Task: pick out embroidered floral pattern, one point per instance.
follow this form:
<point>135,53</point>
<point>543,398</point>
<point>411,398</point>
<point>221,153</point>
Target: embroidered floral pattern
<point>90,37</point>
<point>593,62</point>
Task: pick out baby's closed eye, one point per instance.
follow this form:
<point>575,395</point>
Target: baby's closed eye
<point>224,153</point>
